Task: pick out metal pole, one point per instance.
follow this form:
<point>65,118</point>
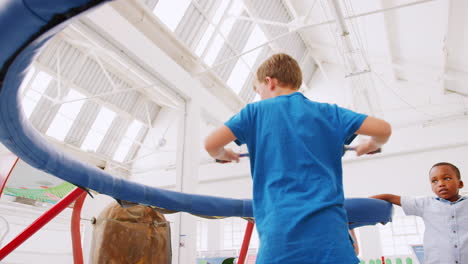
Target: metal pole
<point>246,242</point>
<point>40,222</point>
<point>75,229</point>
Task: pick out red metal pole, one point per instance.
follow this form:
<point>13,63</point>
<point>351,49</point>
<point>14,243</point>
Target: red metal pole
<point>40,222</point>
<point>75,229</point>
<point>246,242</point>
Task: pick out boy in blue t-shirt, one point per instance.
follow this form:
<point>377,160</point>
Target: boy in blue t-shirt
<point>295,147</point>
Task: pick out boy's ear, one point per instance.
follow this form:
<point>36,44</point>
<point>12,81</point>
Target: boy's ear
<point>460,185</point>
<point>271,82</point>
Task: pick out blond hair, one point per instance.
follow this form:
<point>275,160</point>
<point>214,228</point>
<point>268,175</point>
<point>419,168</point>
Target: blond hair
<point>282,67</point>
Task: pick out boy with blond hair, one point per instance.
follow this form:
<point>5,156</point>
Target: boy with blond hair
<point>445,216</point>
<point>295,147</point>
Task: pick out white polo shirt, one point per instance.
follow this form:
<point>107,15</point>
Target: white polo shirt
<point>446,232</point>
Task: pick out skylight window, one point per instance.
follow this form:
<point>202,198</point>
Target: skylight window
<point>66,115</point>
<point>214,49</point>
<point>234,11</point>
<point>26,79</point>
<point>220,11</point>
<point>98,130</point>
<point>244,65</point>
<point>171,12</point>
<point>256,38</point>
<point>127,141</point>
<point>238,76</point>
<point>225,28</point>
<point>210,30</point>
<point>34,93</point>
<point>204,41</point>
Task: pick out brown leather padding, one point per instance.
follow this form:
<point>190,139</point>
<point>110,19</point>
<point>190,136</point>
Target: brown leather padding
<point>133,235</point>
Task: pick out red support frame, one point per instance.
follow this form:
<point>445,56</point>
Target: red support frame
<point>41,221</point>
<point>245,242</point>
<point>75,229</point>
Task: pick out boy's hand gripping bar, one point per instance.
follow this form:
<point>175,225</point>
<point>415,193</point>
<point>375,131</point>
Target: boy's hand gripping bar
<point>347,148</point>
<point>225,161</point>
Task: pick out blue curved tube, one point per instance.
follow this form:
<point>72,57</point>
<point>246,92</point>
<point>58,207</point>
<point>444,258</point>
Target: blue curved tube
<point>25,26</point>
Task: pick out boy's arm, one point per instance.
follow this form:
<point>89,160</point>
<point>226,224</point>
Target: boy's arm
<point>355,242</point>
<point>215,142</point>
<point>379,131</point>
<point>394,199</point>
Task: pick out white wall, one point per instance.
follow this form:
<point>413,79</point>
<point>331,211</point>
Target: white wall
<point>403,166</point>
<point>236,187</point>
<point>155,165</point>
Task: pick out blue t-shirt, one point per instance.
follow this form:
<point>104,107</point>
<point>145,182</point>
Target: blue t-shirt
<point>295,147</point>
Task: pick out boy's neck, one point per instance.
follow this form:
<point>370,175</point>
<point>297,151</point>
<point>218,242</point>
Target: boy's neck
<point>283,91</point>
<point>452,199</point>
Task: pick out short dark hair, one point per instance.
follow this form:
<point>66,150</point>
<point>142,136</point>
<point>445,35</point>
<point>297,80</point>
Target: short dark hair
<point>457,171</point>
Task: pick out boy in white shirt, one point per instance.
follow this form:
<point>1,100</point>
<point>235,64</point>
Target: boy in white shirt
<point>445,216</point>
